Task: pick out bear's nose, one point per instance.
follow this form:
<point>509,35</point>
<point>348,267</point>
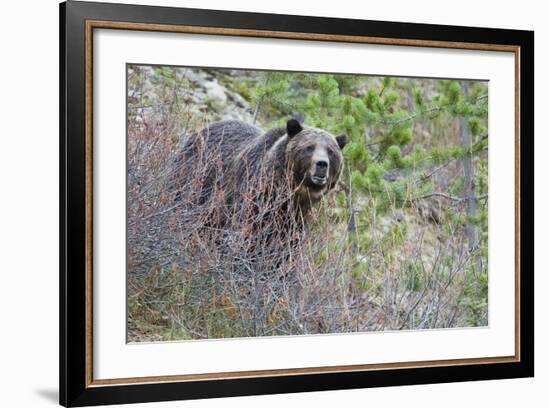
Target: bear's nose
<point>321,167</point>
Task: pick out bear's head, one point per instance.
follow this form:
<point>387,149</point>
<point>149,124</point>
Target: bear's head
<point>315,158</point>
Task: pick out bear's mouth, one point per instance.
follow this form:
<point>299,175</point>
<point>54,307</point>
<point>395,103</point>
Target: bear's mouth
<point>319,181</point>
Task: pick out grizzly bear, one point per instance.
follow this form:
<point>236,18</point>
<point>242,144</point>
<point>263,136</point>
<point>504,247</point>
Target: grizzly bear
<point>282,171</point>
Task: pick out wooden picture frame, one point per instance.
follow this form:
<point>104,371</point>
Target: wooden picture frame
<point>78,20</point>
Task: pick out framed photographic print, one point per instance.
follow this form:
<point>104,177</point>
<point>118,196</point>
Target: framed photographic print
<point>256,203</point>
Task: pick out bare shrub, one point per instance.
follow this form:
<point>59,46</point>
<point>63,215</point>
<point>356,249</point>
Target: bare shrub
<point>210,260</point>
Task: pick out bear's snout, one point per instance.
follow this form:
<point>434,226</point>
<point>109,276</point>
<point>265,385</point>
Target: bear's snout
<point>321,168</point>
<point>318,172</point>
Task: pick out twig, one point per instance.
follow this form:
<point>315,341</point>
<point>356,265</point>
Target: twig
<point>449,197</point>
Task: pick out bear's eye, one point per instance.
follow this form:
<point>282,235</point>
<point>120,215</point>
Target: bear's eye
<point>310,148</point>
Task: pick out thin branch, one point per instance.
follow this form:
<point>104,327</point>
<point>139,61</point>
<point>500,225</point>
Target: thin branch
<point>449,197</point>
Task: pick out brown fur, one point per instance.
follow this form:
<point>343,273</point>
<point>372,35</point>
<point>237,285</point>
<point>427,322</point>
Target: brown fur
<point>268,164</point>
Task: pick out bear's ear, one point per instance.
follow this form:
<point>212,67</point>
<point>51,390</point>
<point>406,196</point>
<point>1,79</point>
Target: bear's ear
<point>293,127</point>
<point>342,140</point>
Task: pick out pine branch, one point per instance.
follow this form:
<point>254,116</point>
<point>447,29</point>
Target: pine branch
<point>422,113</point>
